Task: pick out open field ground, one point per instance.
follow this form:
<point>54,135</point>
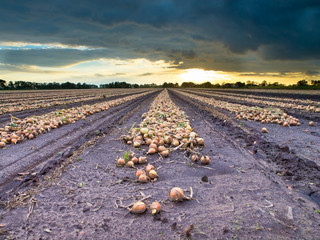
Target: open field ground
<point>60,179</point>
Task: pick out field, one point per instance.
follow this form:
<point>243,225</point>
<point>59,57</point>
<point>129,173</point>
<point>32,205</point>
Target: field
<point>72,164</point>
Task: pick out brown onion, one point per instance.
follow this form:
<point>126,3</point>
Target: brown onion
<point>143,160</point>
<point>153,174</point>
<point>121,162</point>
<point>150,167</point>
<point>176,194</point>
<point>205,160</point>
<point>155,207</point>
<point>138,207</point>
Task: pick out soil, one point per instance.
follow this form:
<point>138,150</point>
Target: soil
<point>248,190</point>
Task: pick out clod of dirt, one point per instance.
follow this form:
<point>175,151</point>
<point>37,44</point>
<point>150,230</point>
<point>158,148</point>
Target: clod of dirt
<point>204,179</point>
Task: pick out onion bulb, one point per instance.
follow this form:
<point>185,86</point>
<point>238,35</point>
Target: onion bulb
<point>139,172</point>
<point>150,167</point>
<point>165,153</point>
<point>143,178</point>
<point>155,207</point>
<point>130,164</point>
<point>135,160</point>
<point>205,160</point>
<point>200,141</point>
<point>138,207</point>
<point>136,144</point>
<point>144,130</point>
<point>194,158</point>
<point>152,151</point>
<point>143,160</point>
<point>153,174</point>
<point>121,162</point>
<point>176,194</point>
<point>311,123</point>
<point>264,130</point>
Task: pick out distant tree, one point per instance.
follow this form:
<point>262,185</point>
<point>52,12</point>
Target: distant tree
<point>302,83</point>
<point>240,84</point>
<point>315,82</point>
<point>264,83</point>
<point>2,84</point>
<point>206,85</point>
<point>188,85</point>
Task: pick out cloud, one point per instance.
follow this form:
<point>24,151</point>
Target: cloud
<point>226,35</point>
<point>312,73</point>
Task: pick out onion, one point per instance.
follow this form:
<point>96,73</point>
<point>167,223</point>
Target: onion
<point>152,151</point>
<point>138,207</point>
<point>139,172</point>
<point>311,123</point>
<point>144,130</point>
<point>193,135</point>
<point>175,143</point>
<point>153,174</point>
<point>143,160</point>
<point>130,164</point>
<point>150,167</point>
<point>200,141</point>
<point>136,144</point>
<point>264,130</point>
<point>194,158</point>
<point>121,162</point>
<point>162,148</point>
<point>135,160</point>
<point>2,144</point>
<point>165,153</point>
<point>155,207</point>
<point>176,194</point>
<point>205,160</point>
<point>152,145</point>
<point>143,178</point>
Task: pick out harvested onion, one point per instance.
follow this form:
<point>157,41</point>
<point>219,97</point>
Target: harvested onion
<point>155,207</point>
<point>143,160</point>
<point>194,158</point>
<point>176,194</point>
<point>153,174</point>
<point>143,178</point>
<point>121,162</point>
<point>138,207</point>
<point>130,164</point>
<point>139,172</point>
<point>150,167</point>
<point>205,160</point>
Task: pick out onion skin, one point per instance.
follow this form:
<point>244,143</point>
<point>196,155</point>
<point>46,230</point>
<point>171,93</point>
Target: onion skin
<point>176,194</point>
<point>138,207</point>
<point>155,208</point>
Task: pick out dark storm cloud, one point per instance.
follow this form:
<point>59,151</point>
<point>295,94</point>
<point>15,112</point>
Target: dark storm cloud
<point>177,31</point>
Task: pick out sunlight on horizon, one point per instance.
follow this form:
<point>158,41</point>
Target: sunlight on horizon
<point>200,76</point>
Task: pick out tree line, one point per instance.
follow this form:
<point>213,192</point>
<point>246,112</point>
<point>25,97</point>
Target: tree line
<point>22,85</point>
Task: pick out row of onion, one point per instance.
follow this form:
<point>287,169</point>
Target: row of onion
<point>263,115</point>
<point>28,128</point>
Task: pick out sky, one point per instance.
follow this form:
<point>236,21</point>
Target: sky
<point>156,41</point>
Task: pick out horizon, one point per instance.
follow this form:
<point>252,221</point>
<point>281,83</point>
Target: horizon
<point>146,42</point>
